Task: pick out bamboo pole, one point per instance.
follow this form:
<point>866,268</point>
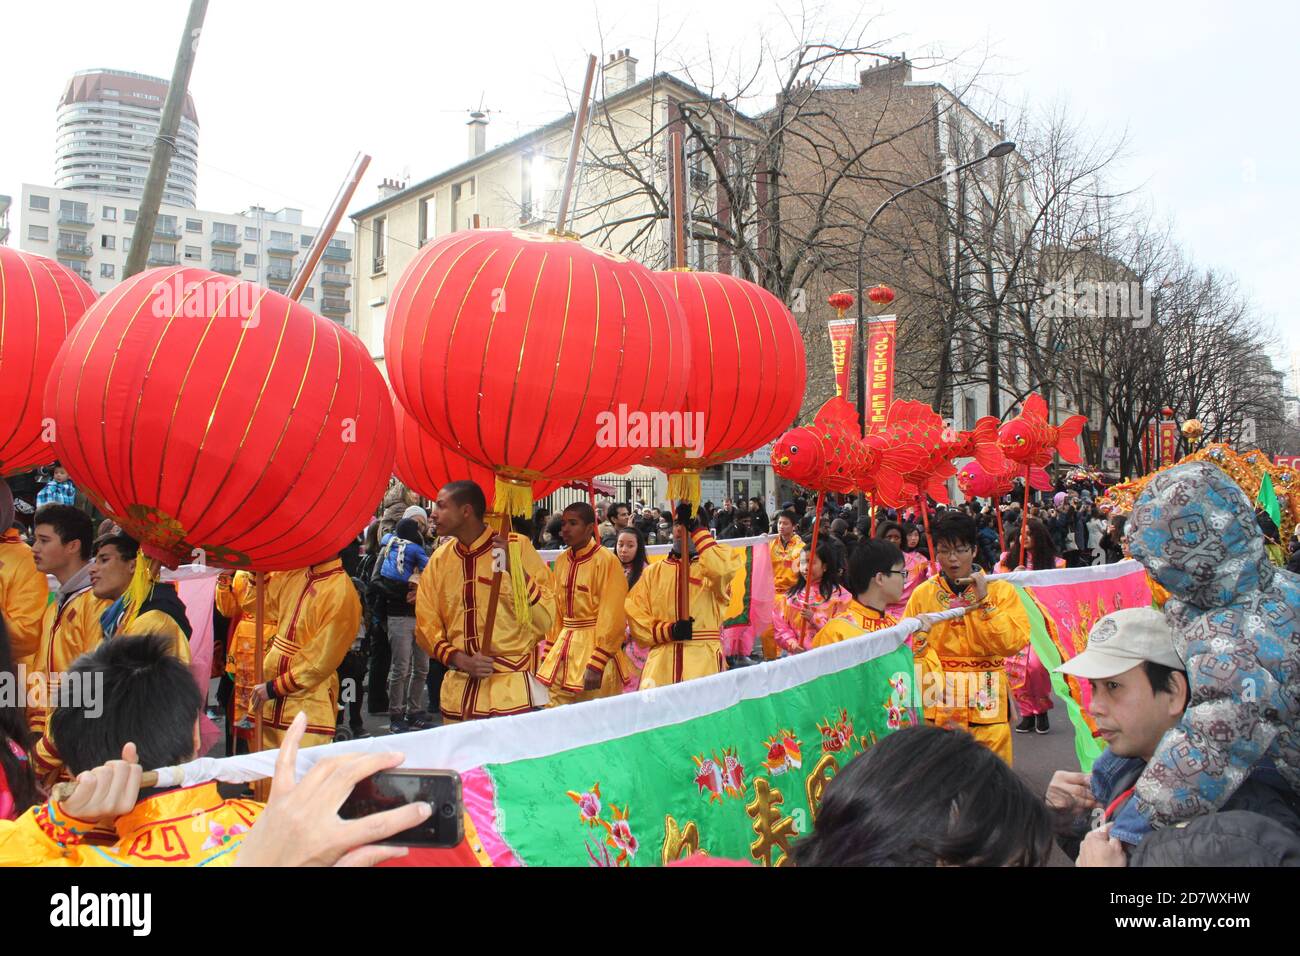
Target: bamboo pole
<point>331,225</point>
<point>575,145</point>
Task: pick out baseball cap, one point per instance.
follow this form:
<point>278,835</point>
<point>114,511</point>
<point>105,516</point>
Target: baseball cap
<point>1121,641</point>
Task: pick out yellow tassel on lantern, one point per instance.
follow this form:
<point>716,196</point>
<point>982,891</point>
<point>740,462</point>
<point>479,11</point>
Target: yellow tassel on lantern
<point>515,498</point>
<point>685,486</point>
<point>146,574</point>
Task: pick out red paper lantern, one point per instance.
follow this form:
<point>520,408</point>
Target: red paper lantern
<point>514,349</point>
<point>214,415</point>
<point>747,376</point>
<point>426,465</point>
<point>841,302</point>
<point>40,302</point>
<point>881,294</point>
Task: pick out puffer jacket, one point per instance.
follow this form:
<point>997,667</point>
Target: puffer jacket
<point>1227,838</point>
<point>1236,624</point>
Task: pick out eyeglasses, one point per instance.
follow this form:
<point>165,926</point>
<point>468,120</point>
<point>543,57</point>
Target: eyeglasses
<point>953,552</point>
<point>901,571</point>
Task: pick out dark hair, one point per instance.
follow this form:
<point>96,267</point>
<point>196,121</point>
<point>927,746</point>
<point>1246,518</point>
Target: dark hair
<point>148,697</point>
<point>639,559</point>
<point>956,527</point>
<point>1041,549</point>
<point>585,512</point>
<point>831,555</point>
<point>15,772</point>
<point>69,523</point>
<point>1161,678</point>
<point>408,529</point>
<point>553,526</point>
<point>789,516</point>
<point>885,527</point>
<point>612,512</point>
<point>469,493</point>
<point>124,544</point>
<point>909,528</point>
<point>925,796</point>
<point>871,557</point>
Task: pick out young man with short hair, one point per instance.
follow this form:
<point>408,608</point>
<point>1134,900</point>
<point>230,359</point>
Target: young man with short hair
<point>785,550</point>
<point>583,662</point>
<point>877,574</point>
<point>969,652</point>
<point>493,675</point>
<point>161,612</point>
<point>1139,692</point>
<point>620,516</point>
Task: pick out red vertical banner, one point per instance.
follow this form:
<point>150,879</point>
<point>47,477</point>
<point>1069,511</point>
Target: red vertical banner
<point>881,333</point>
<point>1168,443</point>
<point>1150,448</point>
<point>841,331</point>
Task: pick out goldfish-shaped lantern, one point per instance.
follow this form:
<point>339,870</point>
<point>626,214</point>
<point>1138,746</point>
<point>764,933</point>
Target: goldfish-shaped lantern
<point>1030,439</point>
<point>831,454</point>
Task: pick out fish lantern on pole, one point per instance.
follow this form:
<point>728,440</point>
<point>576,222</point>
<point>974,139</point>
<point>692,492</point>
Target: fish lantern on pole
<point>1030,440</point>
<point>40,302</point>
<point>219,421</point>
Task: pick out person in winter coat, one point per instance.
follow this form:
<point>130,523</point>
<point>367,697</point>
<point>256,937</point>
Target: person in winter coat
<point>1235,618</point>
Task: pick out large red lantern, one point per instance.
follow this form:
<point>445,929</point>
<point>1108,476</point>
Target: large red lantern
<point>40,302</point>
<point>880,294</point>
<point>426,465</point>
<point>218,419</point>
<point>747,376</point>
<point>517,350</point>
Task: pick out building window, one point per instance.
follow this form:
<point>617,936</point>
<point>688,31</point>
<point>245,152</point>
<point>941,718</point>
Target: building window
<point>162,252</point>
<point>250,259</point>
<point>381,243</point>
<point>38,233</point>
<point>129,215</point>
<point>109,213</point>
<point>194,253</point>
<point>428,222</point>
<point>38,203</point>
<point>223,261</point>
<point>106,270</point>
<point>281,238</point>
<point>252,233</point>
<point>126,244</point>
<point>970,411</point>
<point>108,242</point>
<point>224,232</point>
<point>308,294</point>
<point>193,225</point>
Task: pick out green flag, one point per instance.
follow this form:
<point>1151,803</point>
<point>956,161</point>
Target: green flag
<point>1267,499</point>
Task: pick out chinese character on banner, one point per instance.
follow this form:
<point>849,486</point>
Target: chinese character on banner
<point>1168,443</point>
<point>841,331</point>
<point>1149,447</point>
<point>881,332</point>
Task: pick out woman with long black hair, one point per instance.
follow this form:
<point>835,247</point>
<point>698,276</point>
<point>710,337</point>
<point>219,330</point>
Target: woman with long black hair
<point>1031,685</point>
<point>798,614</point>
<point>17,781</point>
<point>629,548</point>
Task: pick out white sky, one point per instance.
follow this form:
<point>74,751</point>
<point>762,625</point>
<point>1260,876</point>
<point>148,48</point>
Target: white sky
<point>288,91</point>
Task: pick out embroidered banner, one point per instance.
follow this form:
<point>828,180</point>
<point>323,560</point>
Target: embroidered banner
<point>880,369</point>
<point>841,331</point>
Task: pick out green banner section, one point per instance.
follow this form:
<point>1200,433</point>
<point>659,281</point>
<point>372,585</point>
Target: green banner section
<point>740,783</point>
<point>1086,747</point>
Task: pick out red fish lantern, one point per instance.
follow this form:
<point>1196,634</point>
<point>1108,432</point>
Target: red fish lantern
<point>1030,439</point>
<point>747,378</point>
<point>831,454</point>
<point>426,466</point>
<point>975,481</point>
<point>881,294</point>
<point>526,353</point>
<point>220,420</point>
<point>40,302</point>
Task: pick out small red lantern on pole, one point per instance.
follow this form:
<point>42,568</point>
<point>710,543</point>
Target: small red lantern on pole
<point>880,294</point>
<point>841,302</point>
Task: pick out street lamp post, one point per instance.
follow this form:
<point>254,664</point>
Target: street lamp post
<point>1001,149</point>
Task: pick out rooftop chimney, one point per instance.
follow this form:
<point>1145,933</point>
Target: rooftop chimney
<point>390,187</point>
<point>620,72</point>
<point>895,71</point>
<point>477,134</point>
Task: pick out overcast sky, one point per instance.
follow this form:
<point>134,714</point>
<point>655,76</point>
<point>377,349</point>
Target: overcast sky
<point>288,91</point>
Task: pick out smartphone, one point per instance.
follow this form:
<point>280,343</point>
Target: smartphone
<point>445,827</point>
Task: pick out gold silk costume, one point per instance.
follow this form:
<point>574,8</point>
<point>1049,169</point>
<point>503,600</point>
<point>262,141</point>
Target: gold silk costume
<point>653,606</point>
<point>237,600</point>
<point>191,826</point>
<point>853,621</point>
<point>24,592</point>
<point>962,661</point>
<point>451,607</point>
<point>318,612</point>
<point>785,562</point>
<point>590,587</point>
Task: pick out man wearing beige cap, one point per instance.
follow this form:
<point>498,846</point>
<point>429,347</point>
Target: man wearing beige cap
<point>1139,691</point>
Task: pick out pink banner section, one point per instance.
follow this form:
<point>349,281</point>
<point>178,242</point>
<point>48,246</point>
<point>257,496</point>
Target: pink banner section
<point>757,601</point>
<point>197,590</point>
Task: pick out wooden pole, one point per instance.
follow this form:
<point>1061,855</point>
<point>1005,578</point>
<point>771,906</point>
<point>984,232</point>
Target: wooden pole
<point>678,206</point>
<point>812,554</point>
<point>164,146</point>
<point>331,225</point>
<point>1024,526</point>
<point>997,514</point>
<point>259,652</point>
<point>929,541</point>
<point>575,145</point>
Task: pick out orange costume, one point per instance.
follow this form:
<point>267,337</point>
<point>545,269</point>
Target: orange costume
<point>191,826</point>
<point>962,661</point>
<point>785,562</point>
<point>451,607</point>
<point>654,604</point>
<point>237,599</point>
<point>854,621</point>
<point>591,588</point>
<point>24,592</point>
<point>317,613</point>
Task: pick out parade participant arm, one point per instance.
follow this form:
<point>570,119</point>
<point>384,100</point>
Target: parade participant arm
<point>783,632</point>
<point>997,615</point>
<point>545,606</point>
<point>717,564</point>
<point>24,593</point>
<point>51,834</point>
<point>338,611</point>
<point>611,618</point>
<point>430,629</point>
<point>230,594</point>
<point>648,630</point>
<point>158,622</point>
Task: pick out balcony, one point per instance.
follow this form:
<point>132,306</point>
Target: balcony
<point>75,220</point>
<point>338,254</point>
<point>163,260</point>
<point>227,269</point>
<point>278,247</point>
<point>165,233</point>
<point>278,275</point>
<point>225,241</point>
<point>334,306</point>
<point>75,248</point>
<point>342,279</point>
